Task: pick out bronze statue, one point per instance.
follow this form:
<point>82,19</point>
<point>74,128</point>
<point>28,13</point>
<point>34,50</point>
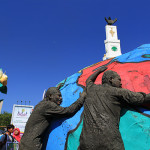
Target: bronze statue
<point>36,130</point>
<point>102,108</point>
<point>109,21</point>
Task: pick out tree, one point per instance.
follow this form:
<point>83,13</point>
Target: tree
<point>5,118</point>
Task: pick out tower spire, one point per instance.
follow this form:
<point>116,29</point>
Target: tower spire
<point>112,44</point>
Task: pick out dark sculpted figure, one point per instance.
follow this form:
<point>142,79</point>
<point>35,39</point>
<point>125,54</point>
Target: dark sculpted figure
<point>102,108</point>
<point>109,21</point>
<point>48,109</point>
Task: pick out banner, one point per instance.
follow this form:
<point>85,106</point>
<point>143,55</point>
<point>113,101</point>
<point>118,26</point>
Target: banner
<point>20,116</point>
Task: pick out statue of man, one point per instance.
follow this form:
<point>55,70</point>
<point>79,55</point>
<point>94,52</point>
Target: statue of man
<point>47,110</point>
<point>102,108</point>
<point>109,21</point>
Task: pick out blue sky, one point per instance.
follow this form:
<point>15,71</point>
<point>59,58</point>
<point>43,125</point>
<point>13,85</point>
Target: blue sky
<point>43,42</point>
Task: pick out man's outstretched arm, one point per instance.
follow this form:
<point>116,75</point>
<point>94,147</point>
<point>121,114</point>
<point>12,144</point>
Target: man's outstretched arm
<point>95,74</point>
<point>58,111</point>
<point>135,98</point>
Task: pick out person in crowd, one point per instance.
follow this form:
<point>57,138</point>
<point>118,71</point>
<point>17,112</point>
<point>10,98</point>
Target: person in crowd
<point>16,135</point>
<point>7,137</point>
<point>43,114</point>
<point>102,108</point>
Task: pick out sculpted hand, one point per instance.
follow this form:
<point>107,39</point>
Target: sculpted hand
<point>83,94</point>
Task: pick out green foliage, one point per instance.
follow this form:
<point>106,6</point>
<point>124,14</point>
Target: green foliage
<point>5,118</point>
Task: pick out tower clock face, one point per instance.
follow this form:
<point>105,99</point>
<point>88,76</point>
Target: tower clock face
<point>114,48</point>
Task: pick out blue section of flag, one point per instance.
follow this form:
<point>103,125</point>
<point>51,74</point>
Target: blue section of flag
<point>139,54</point>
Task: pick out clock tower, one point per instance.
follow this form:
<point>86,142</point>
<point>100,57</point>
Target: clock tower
<point>112,44</point>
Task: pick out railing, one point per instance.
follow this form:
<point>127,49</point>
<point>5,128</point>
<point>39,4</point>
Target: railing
<point>12,146</point>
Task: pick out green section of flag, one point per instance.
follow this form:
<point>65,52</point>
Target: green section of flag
<point>135,130</point>
<point>73,139</point>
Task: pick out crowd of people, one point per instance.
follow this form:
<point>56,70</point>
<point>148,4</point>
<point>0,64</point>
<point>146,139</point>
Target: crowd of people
<point>12,134</point>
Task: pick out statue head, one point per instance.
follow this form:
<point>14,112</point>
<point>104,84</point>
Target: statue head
<point>53,94</point>
<point>112,78</point>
